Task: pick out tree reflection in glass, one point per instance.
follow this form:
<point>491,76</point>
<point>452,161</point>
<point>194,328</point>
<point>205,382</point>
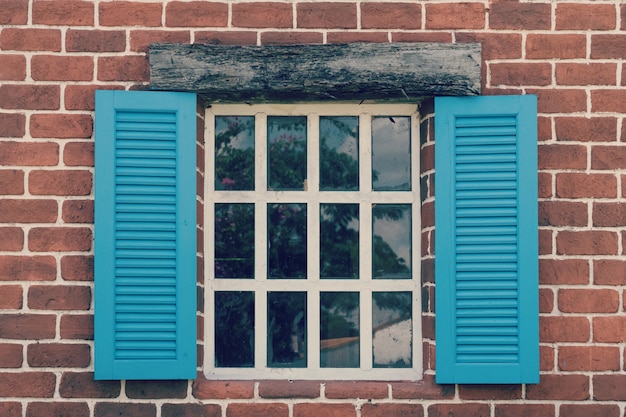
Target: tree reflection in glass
<point>339,241</point>
<point>286,142</point>
<point>286,239</point>
<point>234,240</point>
<point>286,329</point>
<point>391,153</point>
<point>339,153</point>
<point>234,152</point>
<point>391,257</point>
<point>393,330</point>
<point>234,329</point>
<point>339,330</point>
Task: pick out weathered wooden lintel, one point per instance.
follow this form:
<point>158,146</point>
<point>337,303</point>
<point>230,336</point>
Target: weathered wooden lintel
<point>363,71</point>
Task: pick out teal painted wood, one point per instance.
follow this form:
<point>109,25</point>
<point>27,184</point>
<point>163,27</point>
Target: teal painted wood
<point>486,260</point>
<point>145,235</point>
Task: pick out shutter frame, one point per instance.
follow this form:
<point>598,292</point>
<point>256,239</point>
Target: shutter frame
<point>179,294</point>
<point>452,367</point>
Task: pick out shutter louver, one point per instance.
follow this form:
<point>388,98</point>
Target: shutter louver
<point>486,231</point>
<point>145,235</point>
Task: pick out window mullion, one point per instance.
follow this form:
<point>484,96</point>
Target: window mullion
<point>366,329</point>
<point>313,324</point>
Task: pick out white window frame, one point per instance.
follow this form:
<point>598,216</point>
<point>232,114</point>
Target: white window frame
<point>365,197</point>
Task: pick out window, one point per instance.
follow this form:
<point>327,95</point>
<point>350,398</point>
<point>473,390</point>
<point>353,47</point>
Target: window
<point>313,253</point>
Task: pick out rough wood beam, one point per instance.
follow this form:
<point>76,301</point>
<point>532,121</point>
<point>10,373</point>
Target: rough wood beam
<point>391,72</point>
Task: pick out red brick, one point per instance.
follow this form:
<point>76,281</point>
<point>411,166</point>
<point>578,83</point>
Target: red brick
<point>128,13</point>
<point>585,17</point>
<point>28,211</point>
<point>544,129</point>
<point>30,39</point>
<point>523,410</point>
<point>141,39</point>
<point>60,409</point>
<point>30,97</point>
<point>608,100</point>
<point>63,12</point>
<point>455,16</point>
<point>51,239</point>
<point>574,185</point>
<point>608,46</point>
<point>351,37</point>
<point>56,297</point>
<point>592,242</point>
<point>124,409</point>
<point>12,125</point>
<point>77,40</point>
<point>546,300</point>
<point>204,389</point>
<point>343,390</point>
<point>586,74</point>
<point>563,271</point>
<point>323,409</point>
<point>77,211</point>
<point>560,387</point>
<point>61,126</point>
<point>595,129</point>
<point>196,410</point>
<point>521,74</point>
<point>27,327</point>
<point>27,268</point>
<point>11,297</point>
<point>560,101</point>
<point>262,15</point>
<point>494,45</point>
<point>61,68</point>
<point>123,68</point>
<point>563,329</point>
<point>289,389</point>
<point>490,392</point>
<point>546,358</point>
<point>82,97</point>
<point>545,242</point>
<point>60,182</point>
<point>238,38</point>
<point>260,410</point>
<point>196,14</point>
<point>544,185</point>
<point>589,358</point>
<point>77,326</point>
<point>12,239</point>
<point>14,12</point>
<point>609,387</point>
<point>58,355</point>
<point>426,389</point>
<point>29,153</point>
<point>290,38</point>
<point>421,37</point>
<point>327,15</point>
<point>609,272</point>
<point>27,384</point>
<point>156,389</point>
<point>513,15</point>
<point>550,46</point>
<point>562,213</point>
<point>83,385</point>
<point>609,214</point>
<point>562,156</point>
<point>396,16</point>
<point>13,67</point>
<point>11,181</point>
<point>609,329</point>
<point>608,157</point>
<point>588,301</point>
<point>386,410</point>
<point>78,154</point>
<point>459,410</point>
<point>10,356</point>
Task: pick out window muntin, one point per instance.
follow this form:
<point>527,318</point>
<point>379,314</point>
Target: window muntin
<point>301,297</point>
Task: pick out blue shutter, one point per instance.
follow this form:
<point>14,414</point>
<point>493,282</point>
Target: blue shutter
<point>486,255</point>
<point>145,235</point>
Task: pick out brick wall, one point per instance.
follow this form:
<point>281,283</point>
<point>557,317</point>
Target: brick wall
<point>54,54</point>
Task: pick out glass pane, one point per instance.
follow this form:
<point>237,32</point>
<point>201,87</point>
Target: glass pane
<point>339,241</point>
<point>286,329</point>
<point>393,329</point>
<point>391,153</point>
<point>391,246</point>
<point>234,240</point>
<point>286,139</point>
<point>286,239</point>
<point>234,152</point>
<point>339,153</point>
<point>234,329</point>
<point>339,330</point>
